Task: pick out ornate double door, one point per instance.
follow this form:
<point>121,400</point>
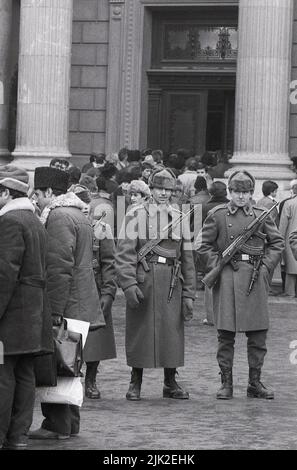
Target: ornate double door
<point>196,119</point>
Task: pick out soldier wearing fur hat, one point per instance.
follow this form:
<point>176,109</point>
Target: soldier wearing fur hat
<point>154,323</point>
<point>25,321</point>
<point>234,310</point>
<point>71,282</point>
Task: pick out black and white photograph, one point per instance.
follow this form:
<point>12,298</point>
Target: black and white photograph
<point>148,229</point>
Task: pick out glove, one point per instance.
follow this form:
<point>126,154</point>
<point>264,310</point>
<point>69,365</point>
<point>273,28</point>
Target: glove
<point>106,304</point>
<point>57,320</point>
<point>187,309</point>
<point>134,296</point>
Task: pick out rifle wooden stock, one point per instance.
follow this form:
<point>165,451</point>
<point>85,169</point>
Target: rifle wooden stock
<point>212,276</point>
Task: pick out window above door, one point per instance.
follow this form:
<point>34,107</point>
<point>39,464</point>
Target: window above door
<point>206,38</point>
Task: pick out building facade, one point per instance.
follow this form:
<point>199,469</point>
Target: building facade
<point>96,75</point>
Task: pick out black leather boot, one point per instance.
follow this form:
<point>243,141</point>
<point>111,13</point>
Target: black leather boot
<point>91,390</point>
<point>226,390</point>
<point>133,393</point>
<point>255,388</point>
<point>171,388</point>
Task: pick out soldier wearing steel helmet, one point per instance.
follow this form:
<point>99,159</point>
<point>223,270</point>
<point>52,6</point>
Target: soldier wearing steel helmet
<point>155,325</point>
<point>234,310</point>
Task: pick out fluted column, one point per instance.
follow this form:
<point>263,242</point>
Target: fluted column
<point>5,34</point>
<point>44,81</point>
<point>114,77</point>
<point>262,89</point>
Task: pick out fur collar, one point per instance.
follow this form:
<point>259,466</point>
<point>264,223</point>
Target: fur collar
<point>20,203</point>
<point>64,200</point>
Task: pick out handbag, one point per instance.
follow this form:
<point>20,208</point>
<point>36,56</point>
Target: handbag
<point>68,351</point>
<point>45,369</point>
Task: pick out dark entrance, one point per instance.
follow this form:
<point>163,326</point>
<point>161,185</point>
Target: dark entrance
<point>192,80</point>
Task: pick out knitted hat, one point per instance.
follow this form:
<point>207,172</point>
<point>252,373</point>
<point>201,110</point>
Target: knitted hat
<point>164,179</point>
<point>138,186</point>
<point>82,192</point>
<point>89,183</point>
<point>47,177</point>
<point>241,181</point>
<point>14,178</point>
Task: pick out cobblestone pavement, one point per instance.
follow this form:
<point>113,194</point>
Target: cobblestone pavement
<point>201,422</point>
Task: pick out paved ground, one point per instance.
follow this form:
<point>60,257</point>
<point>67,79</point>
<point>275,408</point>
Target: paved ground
<point>201,422</point>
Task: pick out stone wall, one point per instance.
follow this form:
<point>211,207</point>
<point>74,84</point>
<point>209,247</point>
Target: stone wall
<point>293,112</point>
<point>89,77</point>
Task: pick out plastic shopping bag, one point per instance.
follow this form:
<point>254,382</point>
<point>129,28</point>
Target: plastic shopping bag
<point>69,391</point>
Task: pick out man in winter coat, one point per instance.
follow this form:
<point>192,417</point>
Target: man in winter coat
<point>154,323</point>
<point>25,322</point>
<point>234,310</point>
<point>70,279</point>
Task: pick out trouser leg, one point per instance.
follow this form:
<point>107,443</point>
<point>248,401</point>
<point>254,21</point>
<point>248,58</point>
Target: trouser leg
<point>24,397</point>
<point>256,348</point>
<point>58,417</point>
<point>91,390</point>
<point>75,419</point>
<point>135,384</point>
<point>225,353</point>
<point>208,301</point>
<point>290,285</point>
<point>7,389</point>
<point>256,353</point>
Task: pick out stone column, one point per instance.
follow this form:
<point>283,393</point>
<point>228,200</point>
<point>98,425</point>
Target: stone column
<point>263,88</point>
<point>114,78</point>
<point>44,82</point>
<point>5,32</point>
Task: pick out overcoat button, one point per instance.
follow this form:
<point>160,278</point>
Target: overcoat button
<point>232,236</point>
<point>230,225</point>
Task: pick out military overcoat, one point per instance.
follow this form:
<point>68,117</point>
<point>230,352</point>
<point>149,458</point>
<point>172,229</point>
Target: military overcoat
<point>234,310</point>
<point>155,329</point>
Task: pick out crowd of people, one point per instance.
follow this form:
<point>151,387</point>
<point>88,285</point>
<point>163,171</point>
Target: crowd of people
<point>70,240</point>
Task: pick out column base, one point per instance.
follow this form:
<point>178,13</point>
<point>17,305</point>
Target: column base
<point>5,156</point>
<point>275,167</point>
<point>30,160</point>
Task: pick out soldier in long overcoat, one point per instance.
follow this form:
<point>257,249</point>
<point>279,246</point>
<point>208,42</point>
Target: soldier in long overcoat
<point>155,325</point>
<point>234,310</point>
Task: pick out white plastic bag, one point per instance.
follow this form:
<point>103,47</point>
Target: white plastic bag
<point>78,326</point>
<point>69,391</point>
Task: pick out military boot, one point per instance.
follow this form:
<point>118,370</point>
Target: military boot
<point>226,390</point>
<point>91,390</point>
<point>133,393</point>
<point>255,388</point>
<point>171,388</point>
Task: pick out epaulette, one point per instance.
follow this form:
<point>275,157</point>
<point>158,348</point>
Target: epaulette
<point>218,208</point>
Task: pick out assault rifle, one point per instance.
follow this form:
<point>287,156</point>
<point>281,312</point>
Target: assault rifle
<point>211,278</point>
<point>166,231</point>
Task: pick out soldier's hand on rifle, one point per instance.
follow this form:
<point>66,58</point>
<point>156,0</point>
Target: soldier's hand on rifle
<point>106,304</point>
<point>187,309</point>
<point>134,296</point>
